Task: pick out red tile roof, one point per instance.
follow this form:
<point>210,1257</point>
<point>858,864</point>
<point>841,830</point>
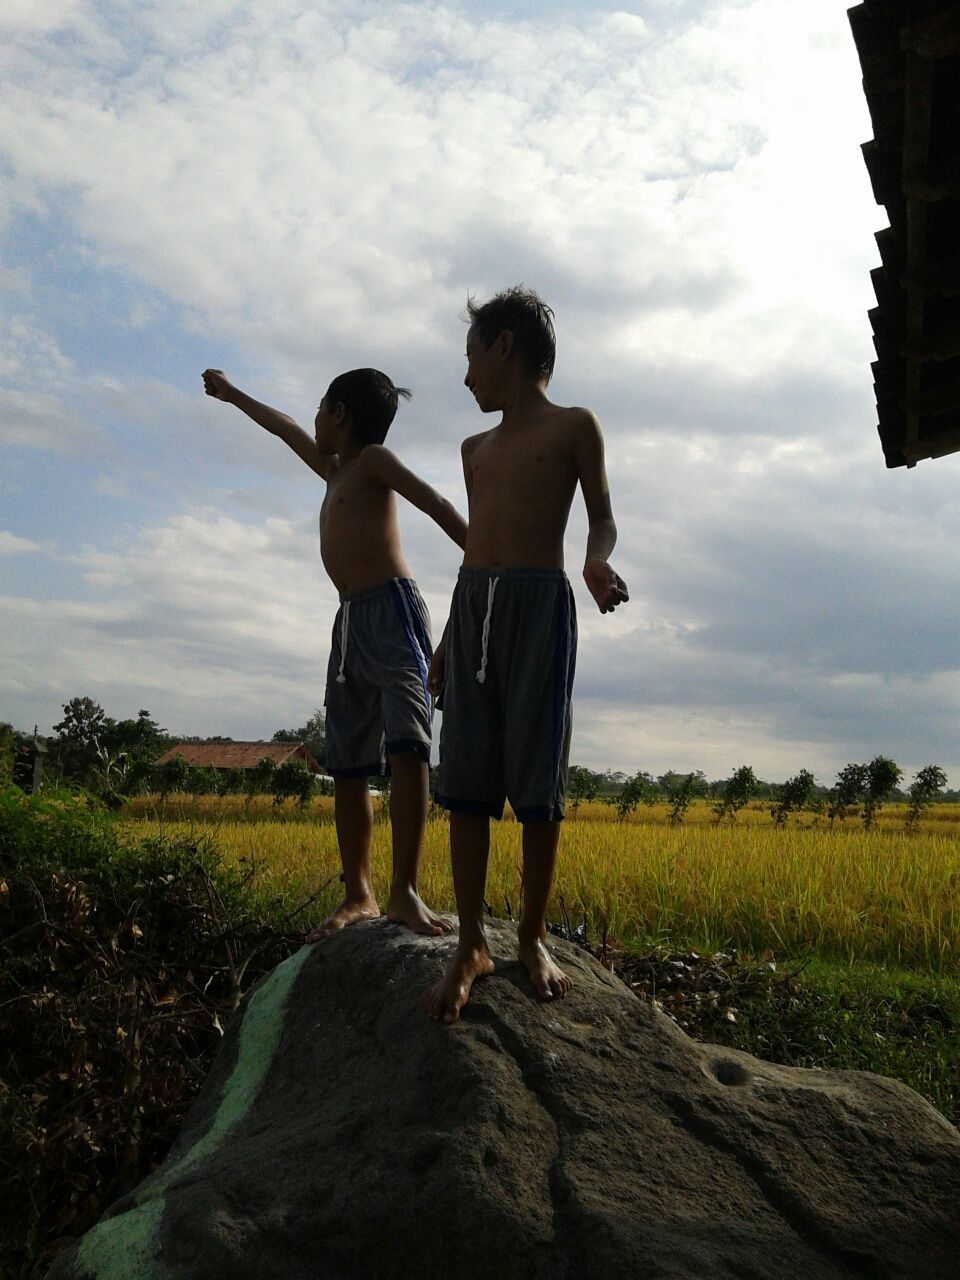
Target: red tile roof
<point>240,755</point>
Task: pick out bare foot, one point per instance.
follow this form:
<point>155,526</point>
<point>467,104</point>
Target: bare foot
<point>548,979</point>
<point>445,1000</point>
<point>349,911</point>
<point>407,907</point>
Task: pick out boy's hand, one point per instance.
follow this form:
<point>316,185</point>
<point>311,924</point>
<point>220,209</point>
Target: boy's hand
<point>435,674</point>
<point>216,384</point>
<point>606,587</point>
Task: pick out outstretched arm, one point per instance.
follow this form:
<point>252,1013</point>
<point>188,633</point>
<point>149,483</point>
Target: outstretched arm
<point>386,467</point>
<point>606,586</point>
<point>278,424</point>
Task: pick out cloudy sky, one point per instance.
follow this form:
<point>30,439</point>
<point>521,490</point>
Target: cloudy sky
<point>291,189</point>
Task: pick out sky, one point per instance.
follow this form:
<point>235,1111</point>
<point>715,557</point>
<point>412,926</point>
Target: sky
<point>284,191</point>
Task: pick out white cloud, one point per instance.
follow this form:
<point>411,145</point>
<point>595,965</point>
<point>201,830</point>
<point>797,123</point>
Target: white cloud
<point>12,545</point>
<point>332,158</point>
<point>35,420</point>
<point>209,622</point>
<point>24,16</point>
<point>295,191</point>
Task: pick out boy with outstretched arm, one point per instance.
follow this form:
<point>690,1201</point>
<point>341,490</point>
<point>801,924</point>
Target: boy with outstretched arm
<point>378,706</point>
<point>505,664</point>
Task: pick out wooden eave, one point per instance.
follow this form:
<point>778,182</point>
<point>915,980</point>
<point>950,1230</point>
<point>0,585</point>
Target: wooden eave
<point>910,57</point>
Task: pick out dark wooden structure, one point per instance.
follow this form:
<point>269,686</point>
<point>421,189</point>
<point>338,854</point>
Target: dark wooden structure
<point>28,763</point>
<point>910,55</point>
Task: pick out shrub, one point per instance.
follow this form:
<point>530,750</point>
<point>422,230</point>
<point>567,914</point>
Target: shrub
<point>293,780</point>
<point>737,790</point>
<point>794,796</point>
<point>684,792</point>
<point>640,789</point>
<point>883,775</point>
<point>121,961</point>
<point>927,784</point>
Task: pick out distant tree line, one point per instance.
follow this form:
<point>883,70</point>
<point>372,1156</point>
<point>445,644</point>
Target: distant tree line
<point>117,758</point>
<point>860,790</point>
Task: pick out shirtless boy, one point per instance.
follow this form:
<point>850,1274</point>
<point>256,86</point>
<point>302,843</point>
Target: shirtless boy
<point>506,661</point>
<point>378,705</point>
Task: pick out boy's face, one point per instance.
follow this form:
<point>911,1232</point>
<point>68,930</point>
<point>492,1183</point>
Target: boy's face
<point>328,427</point>
<point>484,371</point>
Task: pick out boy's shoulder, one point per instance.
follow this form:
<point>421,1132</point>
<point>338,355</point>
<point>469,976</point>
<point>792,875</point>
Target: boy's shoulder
<point>573,424</point>
<point>472,442</point>
<point>375,462</point>
<point>577,416</point>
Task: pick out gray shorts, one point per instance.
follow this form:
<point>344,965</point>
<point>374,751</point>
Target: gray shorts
<point>508,678</point>
<point>377,699</point>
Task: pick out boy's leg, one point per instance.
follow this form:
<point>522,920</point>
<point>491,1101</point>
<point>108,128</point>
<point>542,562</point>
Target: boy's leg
<point>540,841</point>
<point>469,849</point>
<point>354,818</point>
<point>409,801</point>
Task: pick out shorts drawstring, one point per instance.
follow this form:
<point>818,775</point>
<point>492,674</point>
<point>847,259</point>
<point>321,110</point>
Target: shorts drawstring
<point>485,636</point>
<point>344,634</point>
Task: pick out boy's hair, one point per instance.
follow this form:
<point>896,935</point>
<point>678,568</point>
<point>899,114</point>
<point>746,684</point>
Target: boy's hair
<point>527,317</point>
<point>370,398</point>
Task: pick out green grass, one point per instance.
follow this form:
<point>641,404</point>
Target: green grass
<point>903,1024</point>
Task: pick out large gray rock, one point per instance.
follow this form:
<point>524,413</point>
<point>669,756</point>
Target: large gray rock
<point>343,1135</point>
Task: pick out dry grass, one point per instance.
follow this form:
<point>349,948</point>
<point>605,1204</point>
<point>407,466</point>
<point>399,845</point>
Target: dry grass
<point>887,896</point>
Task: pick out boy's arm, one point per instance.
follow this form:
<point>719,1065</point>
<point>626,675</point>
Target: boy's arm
<point>606,586</point>
<point>437,664</point>
<point>277,423</point>
<point>438,661</point>
<point>383,465</point>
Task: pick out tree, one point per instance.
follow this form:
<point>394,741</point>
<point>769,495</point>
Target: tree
<point>293,780</point>
<point>683,792</point>
<point>581,785</point>
<point>883,776</point>
<point>848,790</point>
<point>232,781</point>
<point>312,735</point>
<point>794,796</point>
<point>640,789</point>
<point>140,739</point>
<point>736,791</point>
<point>202,780</point>
<point>260,777</point>
<point>139,776</point>
<point>10,740</point>
<point>107,775</point>
<point>928,783</point>
<point>79,736</point>
<point>171,776</point>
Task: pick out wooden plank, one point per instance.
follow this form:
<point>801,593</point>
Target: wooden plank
<point>936,36</point>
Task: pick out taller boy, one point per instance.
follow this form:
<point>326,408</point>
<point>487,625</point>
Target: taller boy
<point>505,665</point>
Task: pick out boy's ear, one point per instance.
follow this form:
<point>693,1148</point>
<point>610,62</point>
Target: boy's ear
<point>339,413</point>
<point>505,344</point>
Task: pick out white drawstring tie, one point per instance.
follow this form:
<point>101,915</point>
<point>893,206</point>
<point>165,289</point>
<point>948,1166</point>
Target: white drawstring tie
<point>485,636</point>
<point>344,633</point>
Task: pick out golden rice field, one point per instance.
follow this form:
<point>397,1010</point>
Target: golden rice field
<point>888,896</point>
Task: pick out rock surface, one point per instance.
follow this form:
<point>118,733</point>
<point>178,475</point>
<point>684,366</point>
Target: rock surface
<point>343,1135</point>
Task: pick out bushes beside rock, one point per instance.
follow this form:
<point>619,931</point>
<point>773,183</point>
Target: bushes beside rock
<point>120,962</point>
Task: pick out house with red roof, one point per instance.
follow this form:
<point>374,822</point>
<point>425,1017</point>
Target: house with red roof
<point>240,755</point>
